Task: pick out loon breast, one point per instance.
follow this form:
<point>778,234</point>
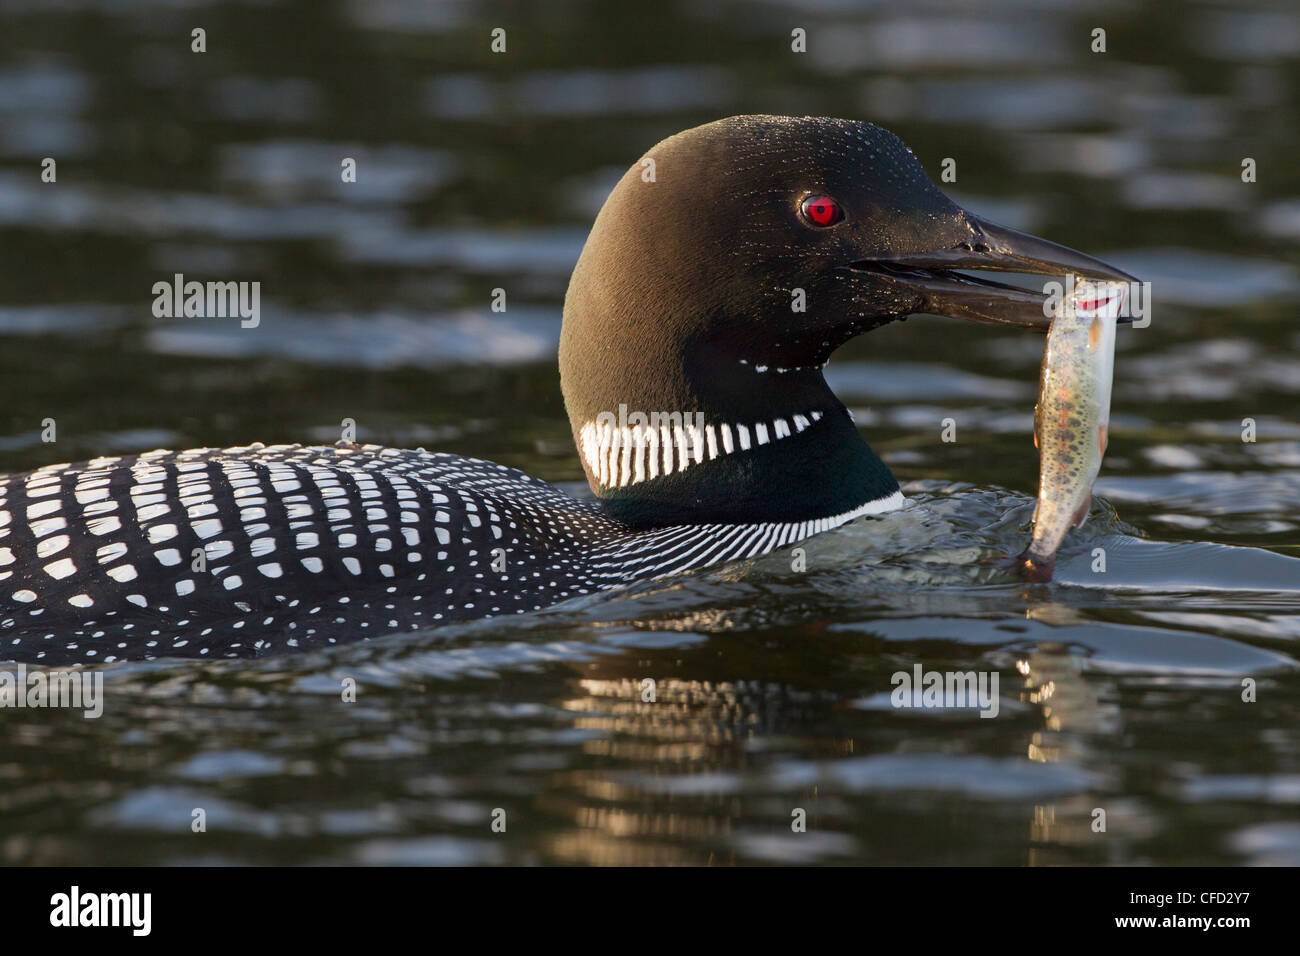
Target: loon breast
<point>240,552</point>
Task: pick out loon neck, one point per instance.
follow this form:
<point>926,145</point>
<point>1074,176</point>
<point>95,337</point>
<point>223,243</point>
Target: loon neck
<point>761,444</point>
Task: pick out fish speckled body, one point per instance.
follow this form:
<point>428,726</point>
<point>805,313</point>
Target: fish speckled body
<point>1072,418</point>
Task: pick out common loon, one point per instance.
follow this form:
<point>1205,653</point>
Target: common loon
<point>713,288</point>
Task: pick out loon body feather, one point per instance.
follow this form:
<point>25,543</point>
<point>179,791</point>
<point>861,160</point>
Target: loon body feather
<point>245,551</point>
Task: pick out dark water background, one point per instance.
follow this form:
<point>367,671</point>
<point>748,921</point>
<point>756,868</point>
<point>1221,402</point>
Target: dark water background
<point>1119,691</point>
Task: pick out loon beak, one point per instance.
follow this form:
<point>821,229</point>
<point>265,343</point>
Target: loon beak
<point>937,288</point>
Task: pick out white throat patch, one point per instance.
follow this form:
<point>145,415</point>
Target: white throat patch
<point>622,455</point>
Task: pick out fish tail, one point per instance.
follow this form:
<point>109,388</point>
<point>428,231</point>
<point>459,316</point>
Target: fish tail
<point>1035,567</point>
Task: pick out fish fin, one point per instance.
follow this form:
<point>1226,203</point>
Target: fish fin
<point>1032,567</point>
<point>1103,438</point>
<point>1081,515</point>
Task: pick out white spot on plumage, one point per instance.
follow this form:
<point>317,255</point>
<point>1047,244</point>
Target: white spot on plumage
<point>109,553</point>
<point>217,549</point>
<point>41,509</point>
<point>103,526</point>
<point>207,528</point>
<point>161,532</point>
<point>62,568</point>
<point>123,573</point>
<point>51,545</point>
<point>149,512</point>
<point>40,529</point>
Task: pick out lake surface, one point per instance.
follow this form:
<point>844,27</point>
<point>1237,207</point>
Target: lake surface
<point>1119,691</point>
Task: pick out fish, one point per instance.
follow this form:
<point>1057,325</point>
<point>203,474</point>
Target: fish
<point>1072,417</point>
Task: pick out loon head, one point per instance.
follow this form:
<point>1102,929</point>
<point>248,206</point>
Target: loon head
<point>723,270</point>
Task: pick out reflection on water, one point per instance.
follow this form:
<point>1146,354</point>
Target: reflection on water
<point>1120,691</point>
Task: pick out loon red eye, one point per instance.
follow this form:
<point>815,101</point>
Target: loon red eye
<point>822,210</point>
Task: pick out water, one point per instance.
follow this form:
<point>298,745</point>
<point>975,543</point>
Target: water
<point>1120,691</point>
